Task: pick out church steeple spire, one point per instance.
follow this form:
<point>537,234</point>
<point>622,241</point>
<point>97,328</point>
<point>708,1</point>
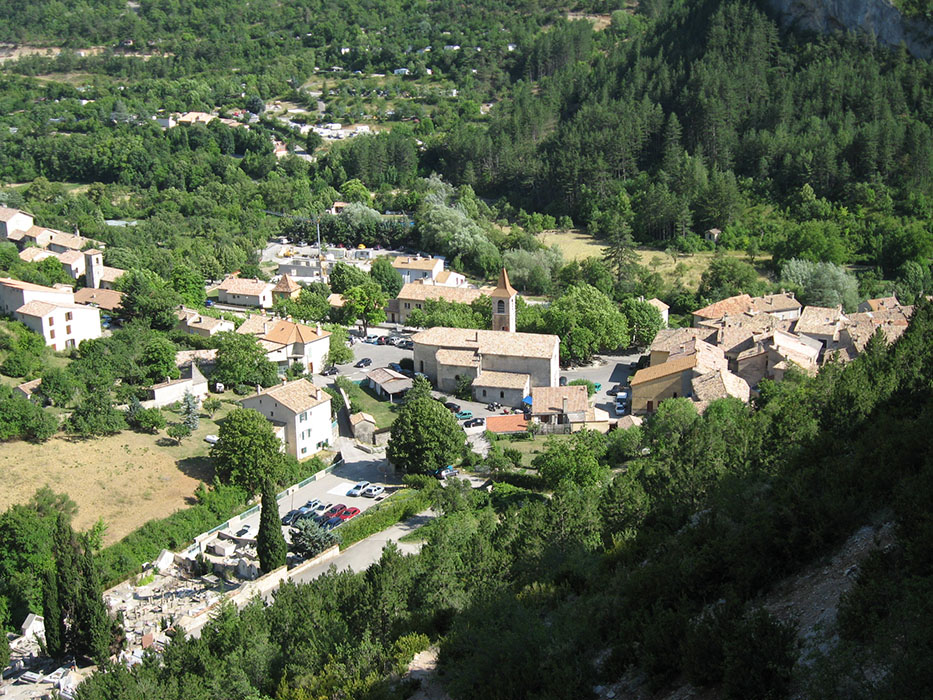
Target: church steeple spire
<point>503,304</point>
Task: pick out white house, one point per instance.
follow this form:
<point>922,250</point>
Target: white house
<point>15,293</point>
<point>417,268</point>
<point>287,343</point>
<point>168,392</point>
<point>195,323</point>
<point>63,325</point>
<point>245,292</point>
<point>13,220</point>
<point>300,413</point>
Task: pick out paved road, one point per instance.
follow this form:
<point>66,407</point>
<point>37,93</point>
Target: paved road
<point>607,370</point>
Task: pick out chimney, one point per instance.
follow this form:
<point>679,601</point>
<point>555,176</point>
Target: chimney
<point>563,406</point>
<point>258,389</point>
<point>319,329</point>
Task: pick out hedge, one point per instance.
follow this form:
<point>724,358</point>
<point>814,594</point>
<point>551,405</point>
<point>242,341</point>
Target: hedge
<point>398,507</point>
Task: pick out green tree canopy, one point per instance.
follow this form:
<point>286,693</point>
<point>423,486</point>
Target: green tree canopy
<point>366,303</point>
<point>425,437</point>
<point>587,322</point>
<point>247,452</point>
<point>241,360</point>
<point>386,276</point>
<point>148,296</point>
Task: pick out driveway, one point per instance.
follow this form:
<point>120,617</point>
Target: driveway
<point>607,370</point>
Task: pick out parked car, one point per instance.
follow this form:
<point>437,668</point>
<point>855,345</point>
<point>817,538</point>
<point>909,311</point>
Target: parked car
<point>452,407</point>
<point>621,409</point>
<point>464,415</point>
<point>348,513</point>
<point>209,302</point>
<point>289,516</point>
<point>373,490</point>
<point>358,488</point>
<point>616,389</point>
<point>382,340</point>
<point>331,523</point>
<point>446,472</point>
<point>312,504</point>
<point>475,423</point>
<point>365,362</point>
<point>407,372</point>
<point>301,514</point>
<point>407,344</point>
<point>597,386</point>
<point>245,531</point>
<point>322,508</point>
<point>211,439</point>
<point>330,371</point>
<point>371,339</point>
<point>331,512</point>
<point>493,406</point>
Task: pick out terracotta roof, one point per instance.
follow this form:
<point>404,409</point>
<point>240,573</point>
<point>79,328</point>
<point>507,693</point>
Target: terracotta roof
<point>358,418</point>
<point>71,257</point>
<point>537,345</point>
<point>92,251</point>
<point>716,385</point>
<point>626,422</point>
<point>502,380</point>
<point>822,320</point>
<point>186,357</point>
<point>671,339</point>
<point>69,240</point>
<point>37,308</point>
<point>15,235</point>
<point>247,287</point>
<point>890,302</point>
<point>256,324</point>
<point>414,291</point>
<point>111,274</point>
<point>658,304</point>
<point>665,369</point>
<point>550,399</point>
<point>408,263</point>
<point>287,332</point>
<point>36,231</point>
<point>709,357</point>
<point>108,299</point>
<point>336,300</point>
<point>287,285</point>
<point>503,288</point>
<point>457,358</point>
<point>33,254</point>
<point>443,276</point>
<point>389,380</point>
<point>775,303</point>
<point>6,213</point>
<point>29,387</point>
<point>514,423</point>
<point>297,396</point>
<point>29,286</point>
<point>733,305</point>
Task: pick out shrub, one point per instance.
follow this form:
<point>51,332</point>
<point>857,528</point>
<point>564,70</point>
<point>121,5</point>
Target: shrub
<point>759,658</point>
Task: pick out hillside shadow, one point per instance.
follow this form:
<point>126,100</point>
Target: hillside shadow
<point>200,468</point>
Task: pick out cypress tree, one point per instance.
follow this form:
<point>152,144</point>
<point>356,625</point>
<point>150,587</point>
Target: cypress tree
<point>67,580</point>
<point>94,626</point>
<point>270,543</point>
<point>52,612</point>
<point>190,411</point>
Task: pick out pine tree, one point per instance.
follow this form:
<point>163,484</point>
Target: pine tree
<point>270,543</point>
<point>52,612</point>
<point>189,410</point>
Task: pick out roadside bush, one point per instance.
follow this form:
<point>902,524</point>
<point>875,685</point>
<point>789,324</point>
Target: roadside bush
<point>310,539</point>
<point>590,386</point>
<point>126,557</point>
<point>400,506</point>
<point>406,647</point>
<point>294,471</point>
<point>505,495</point>
<point>419,481</point>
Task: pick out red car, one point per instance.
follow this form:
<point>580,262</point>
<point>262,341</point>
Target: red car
<point>333,512</point>
<point>348,513</point>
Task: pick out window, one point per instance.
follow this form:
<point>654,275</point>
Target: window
<point>51,320</point>
<point>501,394</point>
<point>407,305</point>
<point>67,330</point>
<point>500,307</point>
<point>484,392</point>
<point>675,394</point>
<point>303,417</point>
<point>51,335</point>
<point>67,315</point>
<point>304,450</point>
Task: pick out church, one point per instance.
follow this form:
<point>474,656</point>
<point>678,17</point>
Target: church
<point>503,365</point>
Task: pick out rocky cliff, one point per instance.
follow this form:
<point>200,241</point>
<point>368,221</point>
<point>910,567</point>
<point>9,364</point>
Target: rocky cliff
<point>877,17</point>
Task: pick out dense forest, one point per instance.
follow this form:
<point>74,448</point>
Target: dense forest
<point>645,556</point>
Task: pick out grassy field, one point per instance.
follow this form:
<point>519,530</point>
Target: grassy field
<point>381,410</point>
<point>126,479</point>
<point>530,448</point>
<point>687,269</point>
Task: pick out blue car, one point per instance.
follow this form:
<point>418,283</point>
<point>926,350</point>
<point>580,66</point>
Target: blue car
<point>332,523</point>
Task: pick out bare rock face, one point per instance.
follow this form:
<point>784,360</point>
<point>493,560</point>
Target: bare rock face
<point>874,17</point>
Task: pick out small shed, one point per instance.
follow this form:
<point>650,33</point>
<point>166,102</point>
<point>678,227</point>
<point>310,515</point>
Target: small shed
<point>712,235</point>
<point>363,426</point>
<point>33,626</point>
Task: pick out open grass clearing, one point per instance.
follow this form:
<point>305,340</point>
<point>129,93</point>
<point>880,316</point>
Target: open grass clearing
<point>126,479</point>
<point>381,410</point>
<point>673,267</point>
<point>530,448</point>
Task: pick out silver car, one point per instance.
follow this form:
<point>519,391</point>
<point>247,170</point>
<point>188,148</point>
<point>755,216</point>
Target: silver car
<point>358,489</point>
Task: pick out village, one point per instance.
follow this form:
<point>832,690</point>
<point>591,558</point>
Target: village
<point>515,381</point>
